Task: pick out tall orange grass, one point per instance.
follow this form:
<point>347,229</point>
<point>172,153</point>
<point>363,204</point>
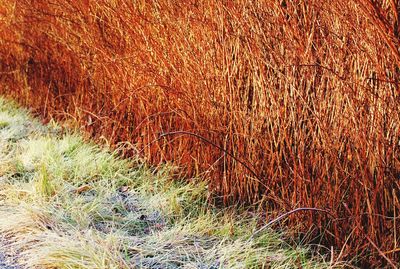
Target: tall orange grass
<point>295,103</point>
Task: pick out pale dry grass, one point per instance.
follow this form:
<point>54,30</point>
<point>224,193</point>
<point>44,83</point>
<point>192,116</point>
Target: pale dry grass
<point>66,203</point>
<point>305,94</point>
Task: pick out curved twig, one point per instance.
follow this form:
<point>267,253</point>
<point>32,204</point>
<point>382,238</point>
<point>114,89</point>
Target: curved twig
<point>256,176</point>
<point>284,216</point>
<point>215,145</point>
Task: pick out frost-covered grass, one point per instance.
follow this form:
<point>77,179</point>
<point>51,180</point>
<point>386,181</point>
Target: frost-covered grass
<point>68,203</point>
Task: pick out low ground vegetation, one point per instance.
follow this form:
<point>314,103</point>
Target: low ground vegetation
<point>67,203</point>
<point>287,103</point>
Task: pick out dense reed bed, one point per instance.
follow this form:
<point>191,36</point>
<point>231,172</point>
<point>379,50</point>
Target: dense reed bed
<point>291,103</point>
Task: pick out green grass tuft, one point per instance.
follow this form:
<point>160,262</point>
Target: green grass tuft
<point>67,203</point>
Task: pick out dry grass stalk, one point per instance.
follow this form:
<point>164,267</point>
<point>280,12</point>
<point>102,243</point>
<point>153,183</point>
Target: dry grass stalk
<point>306,92</point>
